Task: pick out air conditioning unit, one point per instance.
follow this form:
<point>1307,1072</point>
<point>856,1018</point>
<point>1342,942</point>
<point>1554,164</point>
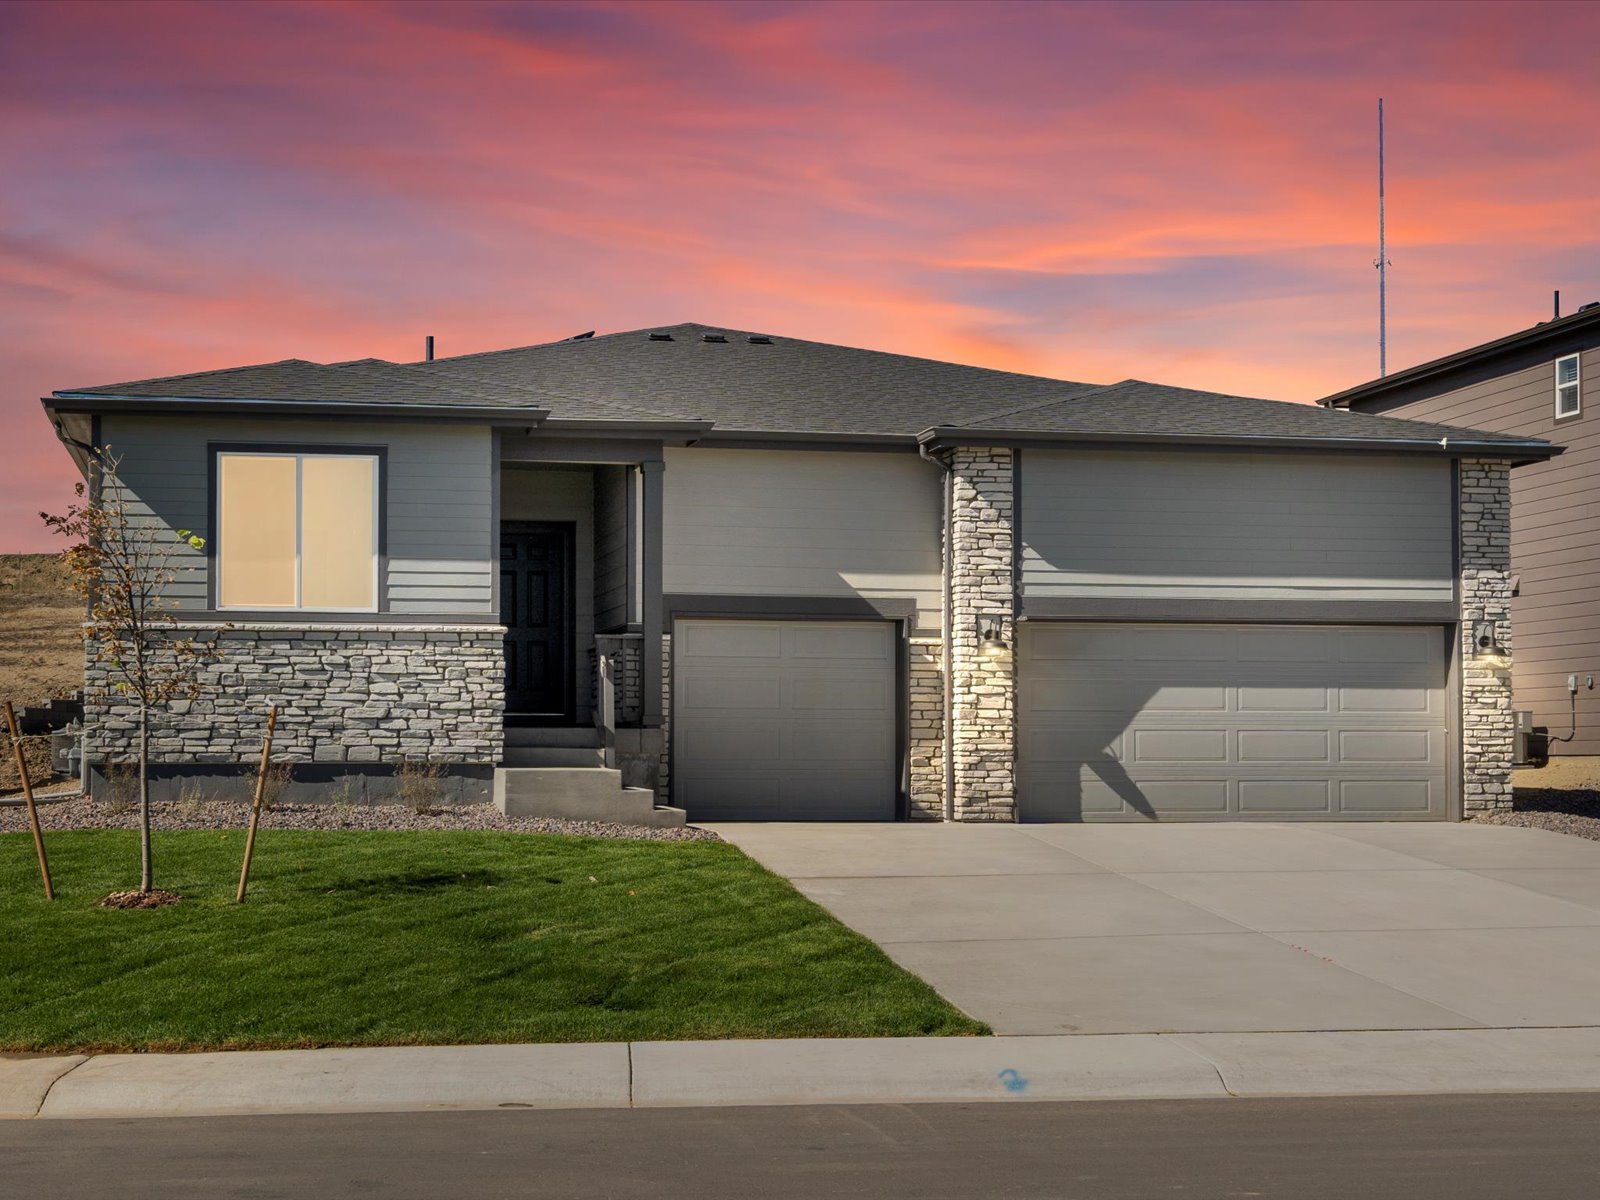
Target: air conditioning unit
<point>1533,742</point>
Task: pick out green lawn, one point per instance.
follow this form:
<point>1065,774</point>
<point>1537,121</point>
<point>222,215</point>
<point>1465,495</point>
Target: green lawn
<point>400,938</point>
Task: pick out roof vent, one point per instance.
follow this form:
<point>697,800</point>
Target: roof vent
<point>660,337</point>
<point>1588,306</point>
<point>713,337</point>
<point>579,337</point>
<point>759,339</point>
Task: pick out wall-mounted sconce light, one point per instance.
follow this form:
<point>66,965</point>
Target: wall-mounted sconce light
<point>1486,647</point>
<point>993,645</point>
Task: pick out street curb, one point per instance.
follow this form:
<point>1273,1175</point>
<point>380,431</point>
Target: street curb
<point>802,1071</point>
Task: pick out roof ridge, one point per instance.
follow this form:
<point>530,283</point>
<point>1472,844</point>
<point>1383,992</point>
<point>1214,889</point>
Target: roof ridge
<point>785,338</point>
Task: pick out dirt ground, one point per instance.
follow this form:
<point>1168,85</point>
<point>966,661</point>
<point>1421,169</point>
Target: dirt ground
<point>40,655</point>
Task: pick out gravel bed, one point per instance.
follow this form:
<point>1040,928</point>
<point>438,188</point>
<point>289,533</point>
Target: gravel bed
<point>79,813</point>
<point>1575,811</point>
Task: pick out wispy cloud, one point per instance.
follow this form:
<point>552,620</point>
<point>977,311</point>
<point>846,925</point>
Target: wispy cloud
<point>1095,191</point>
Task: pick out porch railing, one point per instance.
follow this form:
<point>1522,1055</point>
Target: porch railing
<point>612,651</point>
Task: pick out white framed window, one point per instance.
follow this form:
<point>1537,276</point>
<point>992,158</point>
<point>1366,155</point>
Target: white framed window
<point>1569,402</point>
<point>297,531</point>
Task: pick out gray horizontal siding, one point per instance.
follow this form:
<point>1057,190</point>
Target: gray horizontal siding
<point>1235,526</point>
<point>439,499</point>
<point>1555,530</point>
<point>803,523</point>
<point>611,547</point>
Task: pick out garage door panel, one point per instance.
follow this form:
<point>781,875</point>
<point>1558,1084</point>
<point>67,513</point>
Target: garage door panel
<point>1310,723</point>
<point>851,690</point>
<point>837,742</point>
<point>849,645</point>
<point>1388,647</point>
<point>1285,699</point>
<point>1390,746</point>
<point>1175,646</point>
<point>1273,645</point>
<point>734,690</point>
<point>731,741</point>
<point>729,639</point>
<point>1285,797</point>
<point>785,720</point>
<point>1284,746</point>
<point>1067,745</point>
<point>1386,700</point>
<point>1180,745</point>
<point>1373,796</point>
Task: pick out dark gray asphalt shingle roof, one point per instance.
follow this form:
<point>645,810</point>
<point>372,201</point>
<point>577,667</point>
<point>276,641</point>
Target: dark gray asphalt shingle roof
<point>750,384</point>
<point>1135,406</point>
<point>367,381</point>
<point>789,386</point>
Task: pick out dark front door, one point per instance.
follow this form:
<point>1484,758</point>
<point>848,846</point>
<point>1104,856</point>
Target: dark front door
<point>536,609</point>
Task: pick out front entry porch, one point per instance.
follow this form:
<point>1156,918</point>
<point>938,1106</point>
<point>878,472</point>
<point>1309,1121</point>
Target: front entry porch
<point>578,587</point>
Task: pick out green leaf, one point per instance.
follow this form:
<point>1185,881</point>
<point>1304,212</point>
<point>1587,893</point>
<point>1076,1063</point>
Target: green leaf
<point>199,543</point>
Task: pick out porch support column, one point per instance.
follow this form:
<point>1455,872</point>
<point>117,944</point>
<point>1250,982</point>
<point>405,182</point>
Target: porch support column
<point>650,614</point>
<point>980,559</point>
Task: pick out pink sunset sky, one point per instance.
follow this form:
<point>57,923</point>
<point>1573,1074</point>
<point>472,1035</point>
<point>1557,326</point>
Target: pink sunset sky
<point>1178,192</point>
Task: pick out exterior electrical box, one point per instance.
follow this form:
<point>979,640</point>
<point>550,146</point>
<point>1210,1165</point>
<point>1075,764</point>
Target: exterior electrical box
<point>1533,742</point>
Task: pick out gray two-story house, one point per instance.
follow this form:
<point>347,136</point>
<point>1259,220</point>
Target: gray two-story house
<point>743,576</point>
<point>1542,382</point>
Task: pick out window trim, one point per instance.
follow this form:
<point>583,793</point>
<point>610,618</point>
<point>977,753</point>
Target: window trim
<point>1576,385</point>
<point>215,452</point>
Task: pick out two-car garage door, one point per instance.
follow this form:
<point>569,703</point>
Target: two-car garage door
<point>1229,722</point>
<point>785,720</point>
<point>797,720</point>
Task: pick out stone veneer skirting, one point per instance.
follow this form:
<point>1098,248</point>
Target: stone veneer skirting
<point>345,694</point>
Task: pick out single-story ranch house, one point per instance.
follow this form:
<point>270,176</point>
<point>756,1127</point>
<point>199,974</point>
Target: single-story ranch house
<point>691,569</point>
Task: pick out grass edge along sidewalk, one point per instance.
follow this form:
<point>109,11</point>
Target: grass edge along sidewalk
<point>376,938</point>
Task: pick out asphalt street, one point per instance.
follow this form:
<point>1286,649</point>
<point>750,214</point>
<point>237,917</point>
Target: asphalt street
<point>1540,1147</point>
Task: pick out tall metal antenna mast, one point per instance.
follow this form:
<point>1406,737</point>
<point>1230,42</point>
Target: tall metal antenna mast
<point>1382,262</point>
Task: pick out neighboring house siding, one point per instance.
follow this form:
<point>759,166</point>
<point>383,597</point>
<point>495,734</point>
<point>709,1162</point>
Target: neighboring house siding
<point>611,550</point>
<point>1555,530</point>
<point>1116,524</point>
<point>438,490</point>
<point>804,523</point>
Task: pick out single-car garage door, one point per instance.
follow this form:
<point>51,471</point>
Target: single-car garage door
<point>1230,722</point>
<point>784,720</point>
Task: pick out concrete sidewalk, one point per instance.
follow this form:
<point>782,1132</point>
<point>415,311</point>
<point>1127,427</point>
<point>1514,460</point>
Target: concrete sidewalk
<point>845,1071</point>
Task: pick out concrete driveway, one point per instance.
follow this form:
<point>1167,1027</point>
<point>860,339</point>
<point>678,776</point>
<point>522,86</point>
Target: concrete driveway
<point>1044,929</point>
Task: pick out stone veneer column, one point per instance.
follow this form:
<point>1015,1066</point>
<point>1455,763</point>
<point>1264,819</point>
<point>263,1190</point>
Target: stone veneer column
<point>982,595</point>
<point>925,682</point>
<point>664,773</point>
<point>1488,723</point>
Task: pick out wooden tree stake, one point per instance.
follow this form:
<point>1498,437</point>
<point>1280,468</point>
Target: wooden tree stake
<point>27,795</point>
<point>255,808</point>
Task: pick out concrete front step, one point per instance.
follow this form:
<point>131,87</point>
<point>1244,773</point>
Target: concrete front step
<point>552,735</point>
<point>554,756</point>
<point>578,794</point>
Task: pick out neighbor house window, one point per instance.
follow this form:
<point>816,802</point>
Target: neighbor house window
<point>297,531</point>
<point>1568,403</point>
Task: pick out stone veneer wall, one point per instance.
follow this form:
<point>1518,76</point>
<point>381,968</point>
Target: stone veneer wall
<point>345,694</point>
<point>664,774</point>
<point>1488,722</point>
<point>982,595</point>
<point>925,682</point>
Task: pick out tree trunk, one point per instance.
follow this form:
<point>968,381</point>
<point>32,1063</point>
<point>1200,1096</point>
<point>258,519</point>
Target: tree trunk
<point>146,875</point>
